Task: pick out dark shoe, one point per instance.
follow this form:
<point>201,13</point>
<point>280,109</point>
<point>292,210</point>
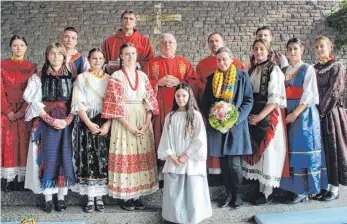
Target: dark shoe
<point>261,199</point>
<point>330,196</point>
<point>100,205</point>
<point>60,206</point>
<point>298,198</point>
<point>89,207</point>
<point>48,206</point>
<point>238,201</point>
<point>320,196</point>
<point>225,202</point>
<point>138,205</point>
<point>128,205</point>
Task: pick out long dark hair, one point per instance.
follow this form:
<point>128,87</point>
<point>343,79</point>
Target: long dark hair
<point>190,107</point>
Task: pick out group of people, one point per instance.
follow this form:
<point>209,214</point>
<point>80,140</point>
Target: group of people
<point>97,125</point>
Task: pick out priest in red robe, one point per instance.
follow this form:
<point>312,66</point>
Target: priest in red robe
<point>205,68</point>
<point>165,73</point>
<point>128,34</point>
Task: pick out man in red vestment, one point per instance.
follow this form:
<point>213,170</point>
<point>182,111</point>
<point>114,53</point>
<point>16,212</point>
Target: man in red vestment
<point>127,34</point>
<point>205,68</point>
<point>165,72</point>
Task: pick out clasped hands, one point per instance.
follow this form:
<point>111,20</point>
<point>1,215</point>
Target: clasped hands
<point>139,131</point>
<point>178,161</point>
<point>15,116</point>
<point>169,81</point>
<point>253,119</point>
<point>96,130</point>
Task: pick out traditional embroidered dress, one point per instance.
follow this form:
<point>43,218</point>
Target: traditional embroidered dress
<point>268,136</point>
<point>90,151</point>
<point>49,164</point>
<point>111,49</point>
<point>132,168</point>
<point>186,197</point>
<point>14,135</point>
<point>307,161</point>
<point>206,67</point>
<point>76,63</point>
<point>159,67</point>
<point>331,87</point>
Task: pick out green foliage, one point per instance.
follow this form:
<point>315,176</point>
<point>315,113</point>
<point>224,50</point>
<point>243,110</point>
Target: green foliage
<point>338,20</point>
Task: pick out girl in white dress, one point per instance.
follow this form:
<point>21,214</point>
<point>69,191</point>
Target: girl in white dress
<point>90,140</point>
<point>183,145</point>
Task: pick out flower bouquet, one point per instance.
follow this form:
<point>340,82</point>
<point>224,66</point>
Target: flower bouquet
<point>223,116</point>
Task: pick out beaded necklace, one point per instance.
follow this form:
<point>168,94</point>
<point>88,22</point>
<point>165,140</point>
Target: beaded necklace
<point>95,74</point>
<point>136,80</point>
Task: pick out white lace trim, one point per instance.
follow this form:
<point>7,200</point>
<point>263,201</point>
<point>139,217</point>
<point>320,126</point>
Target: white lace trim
<point>10,173</point>
<point>91,191</point>
<point>329,67</point>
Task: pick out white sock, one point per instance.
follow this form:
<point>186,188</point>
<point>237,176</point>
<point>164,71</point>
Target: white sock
<point>48,197</point>
<point>61,193</point>
<point>99,200</point>
<point>334,189</point>
<point>90,200</point>
<point>329,186</point>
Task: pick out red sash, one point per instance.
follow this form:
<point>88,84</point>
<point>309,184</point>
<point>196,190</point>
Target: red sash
<point>294,93</point>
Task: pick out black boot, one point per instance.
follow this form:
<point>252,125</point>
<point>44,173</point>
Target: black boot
<point>237,203</point>
<point>330,196</point>
<point>225,202</point>
<point>298,198</point>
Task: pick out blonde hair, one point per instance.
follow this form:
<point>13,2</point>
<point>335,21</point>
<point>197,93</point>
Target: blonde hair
<point>324,38</point>
<point>59,46</point>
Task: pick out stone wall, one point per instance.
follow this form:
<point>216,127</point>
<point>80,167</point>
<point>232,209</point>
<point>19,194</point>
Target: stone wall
<point>43,23</point>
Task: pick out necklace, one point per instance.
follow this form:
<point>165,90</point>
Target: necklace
<point>136,80</point>
<point>16,59</point>
<point>324,60</point>
<point>95,74</point>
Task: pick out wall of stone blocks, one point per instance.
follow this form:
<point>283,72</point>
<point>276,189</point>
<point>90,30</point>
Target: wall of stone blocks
<point>43,23</point>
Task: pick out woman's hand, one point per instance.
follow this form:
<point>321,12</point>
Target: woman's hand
<point>19,115</point>
<point>291,117</point>
<point>175,160</point>
<point>142,129</point>
<point>254,119</point>
<point>105,128</point>
<point>93,128</point>
<point>182,159</point>
<point>11,116</point>
<point>59,124</point>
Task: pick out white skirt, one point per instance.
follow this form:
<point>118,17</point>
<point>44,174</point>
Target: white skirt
<point>186,198</point>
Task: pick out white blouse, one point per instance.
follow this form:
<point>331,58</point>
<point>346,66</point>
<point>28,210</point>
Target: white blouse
<point>276,87</point>
<point>310,95</point>
<point>88,92</point>
<point>33,96</point>
<point>174,142</point>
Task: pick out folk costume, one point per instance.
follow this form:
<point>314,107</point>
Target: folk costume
<point>235,143</point>
<point>206,67</point>
<point>331,86</point>
<point>111,49</point>
<point>306,156</point>
<point>186,197</point>
<point>268,137</point>
<point>77,63</point>
<point>15,135</point>
<point>90,152</point>
<point>159,67</point>
<point>132,168</point>
<point>49,165</point>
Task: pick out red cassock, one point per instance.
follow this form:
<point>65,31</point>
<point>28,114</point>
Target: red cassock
<point>206,67</point>
<point>156,69</point>
<point>14,135</point>
<point>111,48</point>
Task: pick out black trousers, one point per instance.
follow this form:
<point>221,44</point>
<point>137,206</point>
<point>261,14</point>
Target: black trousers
<point>232,175</point>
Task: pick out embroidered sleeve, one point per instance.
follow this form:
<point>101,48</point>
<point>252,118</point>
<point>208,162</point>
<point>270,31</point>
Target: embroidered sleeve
<point>114,101</point>
<point>276,88</point>
<point>33,96</point>
<point>336,90</point>
<point>79,101</point>
<point>150,99</point>
<point>310,95</point>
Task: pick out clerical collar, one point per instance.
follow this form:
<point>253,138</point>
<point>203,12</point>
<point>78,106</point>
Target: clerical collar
<point>167,57</point>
